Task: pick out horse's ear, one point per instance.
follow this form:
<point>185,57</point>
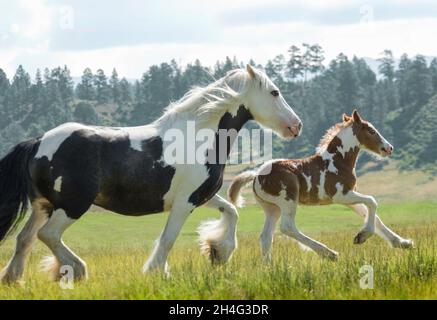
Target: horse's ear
<point>356,116</point>
<point>346,118</point>
<point>250,70</point>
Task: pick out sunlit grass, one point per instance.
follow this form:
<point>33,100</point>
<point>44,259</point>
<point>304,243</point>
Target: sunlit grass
<point>116,247</point>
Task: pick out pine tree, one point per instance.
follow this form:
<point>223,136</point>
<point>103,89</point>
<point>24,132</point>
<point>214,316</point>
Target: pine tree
<point>295,66</point>
<point>401,79</point>
<point>4,87</point>
<point>275,69</point>
<point>85,89</point>
<point>386,65</point>
<point>312,59</point>
<point>102,88</point>
<point>433,74</point>
<point>114,85</point>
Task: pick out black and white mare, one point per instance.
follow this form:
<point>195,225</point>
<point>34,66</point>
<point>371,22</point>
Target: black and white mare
<point>125,170</point>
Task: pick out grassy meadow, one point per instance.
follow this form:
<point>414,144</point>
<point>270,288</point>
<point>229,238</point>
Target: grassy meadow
<point>115,248</point>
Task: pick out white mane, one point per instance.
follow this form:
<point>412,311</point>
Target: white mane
<point>210,102</point>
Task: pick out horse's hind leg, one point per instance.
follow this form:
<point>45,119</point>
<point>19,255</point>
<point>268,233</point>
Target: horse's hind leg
<point>288,227</point>
<point>382,230</point>
<point>25,239</point>
<point>51,234</point>
<point>272,213</point>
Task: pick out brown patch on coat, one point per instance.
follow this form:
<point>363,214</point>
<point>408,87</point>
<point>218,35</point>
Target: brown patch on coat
<point>281,177</point>
<point>288,175</point>
<point>346,173</point>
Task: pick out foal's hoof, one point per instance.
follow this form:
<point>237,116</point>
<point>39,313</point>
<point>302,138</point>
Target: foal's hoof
<point>404,244</point>
<point>362,236</point>
<point>332,255</point>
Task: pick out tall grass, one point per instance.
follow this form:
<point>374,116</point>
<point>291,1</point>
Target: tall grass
<point>293,274</point>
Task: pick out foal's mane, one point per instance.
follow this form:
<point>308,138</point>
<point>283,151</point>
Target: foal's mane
<point>330,134</point>
<point>213,100</point>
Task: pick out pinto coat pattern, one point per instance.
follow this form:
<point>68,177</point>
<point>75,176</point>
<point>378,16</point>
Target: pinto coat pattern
<point>125,170</point>
<point>326,177</point>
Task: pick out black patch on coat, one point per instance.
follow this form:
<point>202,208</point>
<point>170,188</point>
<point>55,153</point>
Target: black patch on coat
<point>216,168</point>
<point>103,169</point>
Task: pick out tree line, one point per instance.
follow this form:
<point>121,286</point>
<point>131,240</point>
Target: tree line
<point>399,99</point>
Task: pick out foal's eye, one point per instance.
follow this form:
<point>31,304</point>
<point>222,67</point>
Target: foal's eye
<point>275,93</point>
<point>371,131</point>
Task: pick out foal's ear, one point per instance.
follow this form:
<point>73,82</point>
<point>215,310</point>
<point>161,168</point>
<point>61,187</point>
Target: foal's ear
<point>250,70</point>
<point>356,116</point>
<point>346,118</point>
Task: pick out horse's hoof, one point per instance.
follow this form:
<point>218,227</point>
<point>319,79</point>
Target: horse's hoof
<point>362,236</point>
<point>10,279</point>
<point>404,244</point>
<point>332,255</point>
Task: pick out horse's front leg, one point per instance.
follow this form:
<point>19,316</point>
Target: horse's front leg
<point>158,259</point>
<point>353,197</point>
<point>218,238</point>
<point>395,240</point>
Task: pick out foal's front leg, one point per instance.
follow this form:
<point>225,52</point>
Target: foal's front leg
<point>352,198</point>
<point>158,259</point>
<point>395,240</point>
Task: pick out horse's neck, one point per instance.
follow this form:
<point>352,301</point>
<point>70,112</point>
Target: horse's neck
<point>343,150</point>
<point>235,121</point>
<point>225,120</point>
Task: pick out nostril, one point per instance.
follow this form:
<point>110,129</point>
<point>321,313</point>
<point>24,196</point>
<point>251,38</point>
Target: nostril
<point>299,126</point>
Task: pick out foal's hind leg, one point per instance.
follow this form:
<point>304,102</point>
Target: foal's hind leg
<point>51,234</point>
<point>272,213</point>
<point>25,240</point>
<point>381,230</point>
<point>288,227</point>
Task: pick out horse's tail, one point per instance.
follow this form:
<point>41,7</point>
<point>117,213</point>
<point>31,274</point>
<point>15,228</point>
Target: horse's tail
<point>14,186</point>
<point>237,184</point>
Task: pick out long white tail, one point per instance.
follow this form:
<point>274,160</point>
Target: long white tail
<point>237,184</point>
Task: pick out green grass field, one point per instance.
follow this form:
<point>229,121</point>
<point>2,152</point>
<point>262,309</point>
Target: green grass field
<point>115,248</point>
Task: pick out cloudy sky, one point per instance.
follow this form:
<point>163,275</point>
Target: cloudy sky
<point>131,34</point>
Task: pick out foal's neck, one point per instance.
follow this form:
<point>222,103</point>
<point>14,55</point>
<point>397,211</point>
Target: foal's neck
<point>343,150</point>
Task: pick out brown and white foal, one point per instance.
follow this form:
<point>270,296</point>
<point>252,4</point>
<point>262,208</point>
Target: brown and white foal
<point>326,177</point>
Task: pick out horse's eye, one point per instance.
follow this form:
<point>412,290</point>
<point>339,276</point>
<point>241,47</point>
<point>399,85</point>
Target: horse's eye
<point>275,93</point>
<point>371,131</point>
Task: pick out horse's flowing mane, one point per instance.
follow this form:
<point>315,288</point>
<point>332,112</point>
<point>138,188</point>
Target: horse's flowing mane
<point>212,101</point>
<point>330,134</point>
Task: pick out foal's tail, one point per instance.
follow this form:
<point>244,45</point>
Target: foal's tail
<point>14,185</point>
<point>237,184</point>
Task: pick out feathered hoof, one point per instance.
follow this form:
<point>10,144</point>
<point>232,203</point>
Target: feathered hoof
<point>51,266</point>
<point>56,270</point>
<point>217,253</point>
<point>404,244</point>
<point>9,278</point>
